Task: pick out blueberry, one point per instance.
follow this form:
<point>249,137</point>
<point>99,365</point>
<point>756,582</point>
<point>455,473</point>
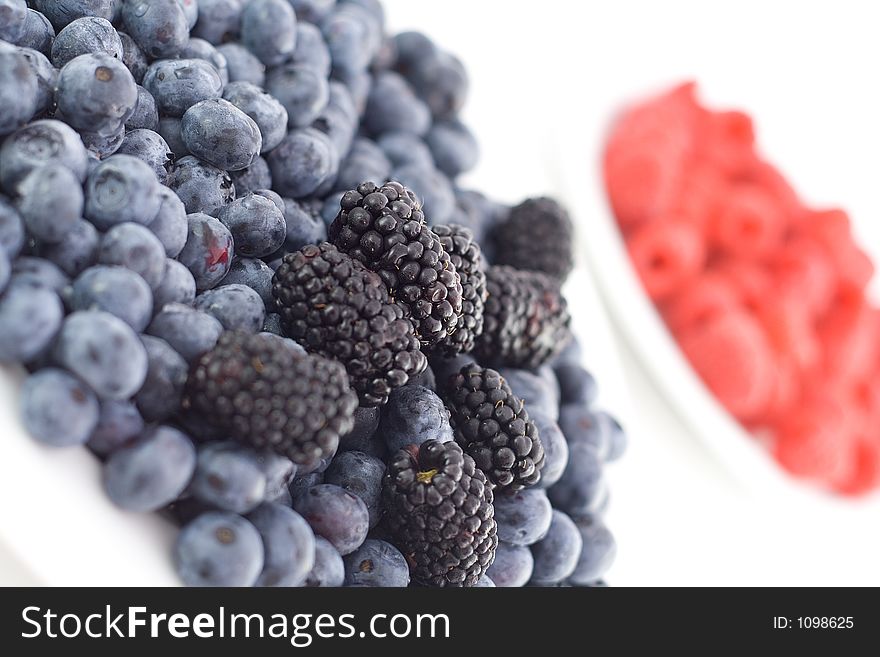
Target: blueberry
<point>104,352</point>
<point>581,488</point>
<point>62,12</point>
<point>533,390</point>
<point>133,57</point>
<point>359,84</point>
<point>556,555</point>
<point>119,422</point>
<point>236,307</point>
<point>177,286</point>
<point>361,437</point>
<point>102,145</point>
<point>145,114</point>
<point>523,517</point>
<point>251,178</point>
<point>58,409</point>
<point>268,29</point>
<point>352,36</point>
<point>265,110</point>
<point>11,228</point>
<point>170,224</point>
<point>13,19</point>
<point>376,563</point>
<point>303,482</point>
<point>579,424</point>
<point>442,83</point>
<point>272,324</point>
<point>227,478</point>
<point>432,187</point>
<point>218,20</point>
<point>47,78</point>
<point>96,93</point>
<point>191,11</point>
<point>38,33</point>
<point>50,201</point>
<point>555,450</point>
<point>161,395</point>
<point>340,118</point>
<point>413,415</point>
<point>242,65</point>
<point>254,273</point>
<point>303,225</point>
<point>169,128</point>
<point>279,471</point>
<point>178,84</point>
<point>329,569</point>
<point>5,270</point>
<point>219,549</point>
<point>120,189</point>
<point>116,290</point>
<point>135,247</point>
<point>39,272</point>
<point>311,49</point>
<point>312,10</point>
<point>454,147</point>
<point>201,187</point>
<point>190,332</point>
<point>209,250</point>
<point>302,91</point>
<point>512,566</point>
<point>149,147</point>
<point>19,89</point>
<point>392,105</point>
<point>219,133</point>
<point>337,515</point>
<point>577,385</point>
<point>304,161</point>
<point>30,316</point>
<point>91,34</point>
<point>360,474</point>
<point>257,225</point>
<point>159,27</point>
<point>365,161</point>
<point>619,439</point>
<point>485,582</point>
<point>289,545</point>
<point>597,555</point>
<point>479,214</point>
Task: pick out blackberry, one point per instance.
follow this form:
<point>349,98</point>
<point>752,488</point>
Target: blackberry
<point>267,395</point>
<point>467,258</point>
<point>536,221</point>
<point>384,228</point>
<point>439,514</point>
<point>525,319</point>
<point>492,425</point>
<point>333,305</point>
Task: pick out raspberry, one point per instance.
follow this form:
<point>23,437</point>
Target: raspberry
<point>848,335</point>
<point>808,441</point>
<point>749,223</point>
<point>803,273</point>
<point>863,474</point>
<point>666,256</point>
<point>703,299</point>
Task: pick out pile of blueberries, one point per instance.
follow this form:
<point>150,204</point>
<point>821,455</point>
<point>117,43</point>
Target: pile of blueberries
<point>158,159</point>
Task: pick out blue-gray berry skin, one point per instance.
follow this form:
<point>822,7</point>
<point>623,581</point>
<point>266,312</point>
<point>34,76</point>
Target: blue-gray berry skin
<point>303,162</point>
<point>38,33</point>
<point>312,10</point>
<point>329,569</point>
<point>119,422</point>
<point>152,471</point>
<point>135,247</point>
<point>265,110</point>
<point>576,384</point>
<point>512,566</point>
<point>133,57</point>
<point>95,93</point>
<point>170,224</point>
<point>597,554</point>
<point>619,440</point>
<point>30,316</point>
<point>191,11</point>
<point>365,161</point>
<point>523,517</point>
<point>580,424</point>
<point>454,147</point>
<point>413,415</point>
<point>5,270</point>
<point>228,478</point>
<point>311,49</point>
<point>252,178</point>
<point>219,133</point>
<point>358,84</point>
<point>303,482</point>
<point>178,84</point>
<point>556,555</point>
<point>169,128</point>
<point>201,186</point>
<point>485,582</point>
<point>392,105</point>
<point>268,29</point>
<point>279,471</point>
<point>122,188</point>
<point>340,118</point>
<point>160,396</point>
<point>253,273</point>
<point>376,563</point>
<point>104,352</point>
<point>11,228</point>
<point>289,545</point>
<point>116,290</point>
<point>302,91</point>
<point>91,34</point>
<point>361,474</point>
<point>237,307</point>
<point>50,201</point>
<point>145,114</point>
<point>581,489</point>
<point>103,145</point>
<point>39,272</point>
<point>177,286</point>
<point>13,19</point>
<point>19,89</point>
<point>555,450</point>
<point>219,549</point>
<point>432,187</point>
<point>208,252</point>
<point>403,148</point>
<point>62,12</point>
<point>337,515</point>
<point>218,20</point>
<point>150,148</point>
<point>426,379</point>
<point>304,225</point>
<point>47,78</point>
<point>242,65</point>
<point>272,324</point>
<point>201,49</point>
<point>57,408</point>
<point>352,36</point>
<point>257,225</point>
<point>533,390</point>
<point>159,27</point>
<point>190,332</point>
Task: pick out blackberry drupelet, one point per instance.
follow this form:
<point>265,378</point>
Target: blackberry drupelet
<point>525,319</point>
<point>467,258</point>
<point>536,221</point>
<point>439,514</point>
<point>334,306</point>
<point>384,228</point>
<point>268,395</point>
<point>492,425</point>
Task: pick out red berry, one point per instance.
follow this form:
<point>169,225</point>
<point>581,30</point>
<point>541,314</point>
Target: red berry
<point>666,256</point>
<point>749,222</point>
<point>703,299</point>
